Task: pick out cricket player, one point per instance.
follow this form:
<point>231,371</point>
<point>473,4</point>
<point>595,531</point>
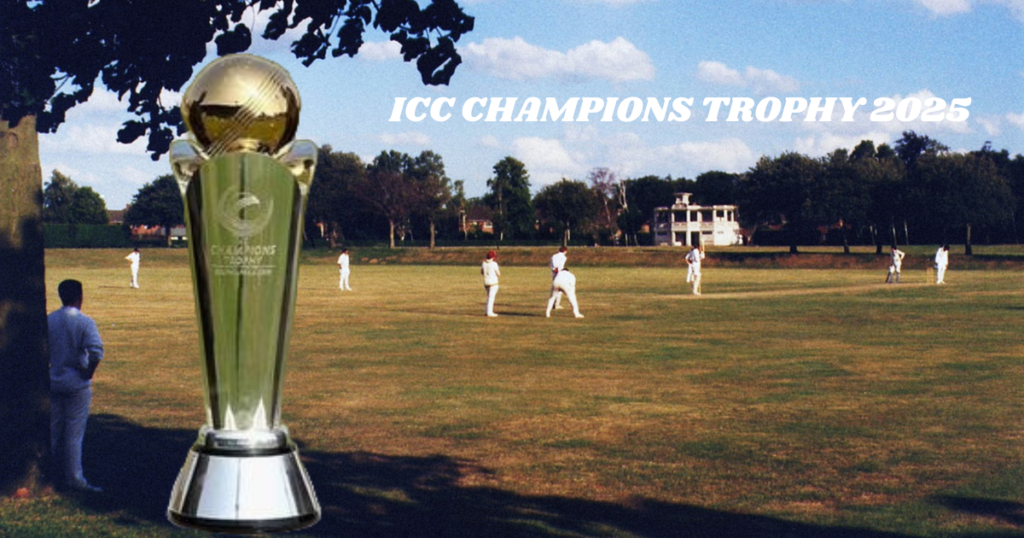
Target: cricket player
<point>564,282</point>
<point>557,264</point>
<point>343,269</point>
<point>491,273</point>
<point>693,259</point>
<point>941,262</point>
<point>895,265</point>
<point>135,257</point>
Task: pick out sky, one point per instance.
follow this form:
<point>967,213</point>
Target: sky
<point>614,56</point>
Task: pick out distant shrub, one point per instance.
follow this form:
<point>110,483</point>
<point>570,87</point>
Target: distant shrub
<point>85,236</point>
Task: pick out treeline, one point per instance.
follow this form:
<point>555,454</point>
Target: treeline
<point>915,190</point>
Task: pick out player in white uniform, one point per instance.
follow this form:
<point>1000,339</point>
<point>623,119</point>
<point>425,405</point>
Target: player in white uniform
<point>135,257</point>
<point>941,263</point>
<point>895,265</point>
<point>564,282</point>
<point>693,274</point>
<point>556,265</point>
<point>343,269</point>
<point>491,273</point>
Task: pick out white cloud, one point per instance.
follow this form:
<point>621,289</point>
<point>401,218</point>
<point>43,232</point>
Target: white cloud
<point>727,155</point>
<point>763,81</point>
<point>1016,119</point>
<point>410,138</point>
<point>946,7</point>
<point>515,59</point>
<point>991,125</point>
<point>546,160</point>
<point>490,141</point>
<point>380,51</point>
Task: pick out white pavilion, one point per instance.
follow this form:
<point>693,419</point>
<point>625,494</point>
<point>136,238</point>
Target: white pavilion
<point>688,224</point>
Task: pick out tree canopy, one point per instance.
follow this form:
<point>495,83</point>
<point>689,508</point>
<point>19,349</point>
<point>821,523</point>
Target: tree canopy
<point>53,52</point>
<point>65,202</point>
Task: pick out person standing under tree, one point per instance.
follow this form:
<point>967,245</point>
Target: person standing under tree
<point>491,272</point>
<point>344,271</point>
<point>693,261</point>
<point>895,265</point>
<point>135,257</point>
<point>941,263</point>
<point>75,352</point>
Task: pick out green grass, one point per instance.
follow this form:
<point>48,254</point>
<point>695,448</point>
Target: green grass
<point>782,402</point>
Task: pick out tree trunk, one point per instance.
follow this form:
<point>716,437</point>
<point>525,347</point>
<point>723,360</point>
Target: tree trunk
<point>24,370</point>
<point>391,233</point>
<point>968,251</point>
<point>433,234</point>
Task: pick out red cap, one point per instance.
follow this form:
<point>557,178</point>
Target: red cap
<point>491,255</point>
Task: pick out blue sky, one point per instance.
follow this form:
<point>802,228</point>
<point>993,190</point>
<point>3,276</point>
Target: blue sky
<point>561,49</point>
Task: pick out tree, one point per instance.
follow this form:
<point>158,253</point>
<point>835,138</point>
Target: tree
<point>780,191</point>
<point>642,196</point>
<point>434,186</point>
<point>157,203</point>
<point>716,188</point>
<point>389,189</point>
<point>53,52</point>
<point>604,184</point>
<point>64,202</point>
<point>843,194</point>
<point>333,202</point>
<point>882,173</point>
<point>509,198</point>
<point>568,206</point>
<point>966,191</point>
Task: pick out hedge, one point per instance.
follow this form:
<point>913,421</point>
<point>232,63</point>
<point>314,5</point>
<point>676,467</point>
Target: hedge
<point>85,236</point>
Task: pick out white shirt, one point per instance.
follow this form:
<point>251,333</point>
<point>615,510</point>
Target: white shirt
<point>491,272</point>
<point>557,262</point>
<point>134,257</point>
<point>897,258</point>
<point>942,257</point>
<point>693,258</point>
<point>343,262</point>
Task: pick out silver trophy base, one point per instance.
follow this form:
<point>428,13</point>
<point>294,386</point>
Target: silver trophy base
<point>243,493</point>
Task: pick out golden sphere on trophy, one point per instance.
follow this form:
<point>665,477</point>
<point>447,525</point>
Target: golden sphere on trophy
<point>241,102</point>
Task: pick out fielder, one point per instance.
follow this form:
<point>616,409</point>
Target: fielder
<point>693,274</point>
<point>491,273</point>
<point>895,265</point>
<point>135,257</point>
<point>557,264</point>
<point>564,282</point>
<point>941,262</point>
<point>343,269</point>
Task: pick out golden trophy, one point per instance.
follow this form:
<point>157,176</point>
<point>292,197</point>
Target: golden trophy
<point>244,182</point>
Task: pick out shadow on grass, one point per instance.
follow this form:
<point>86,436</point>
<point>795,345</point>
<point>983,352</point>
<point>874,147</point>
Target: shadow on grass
<point>1005,511</point>
<point>373,495</point>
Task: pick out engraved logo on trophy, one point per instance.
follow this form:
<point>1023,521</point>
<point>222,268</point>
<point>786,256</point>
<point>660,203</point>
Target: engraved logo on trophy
<point>244,182</point>
<point>243,213</point>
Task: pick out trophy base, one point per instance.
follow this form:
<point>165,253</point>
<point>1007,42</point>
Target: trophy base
<point>243,493</point>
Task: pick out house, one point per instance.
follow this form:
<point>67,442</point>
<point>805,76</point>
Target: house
<point>689,224</point>
<point>479,219</point>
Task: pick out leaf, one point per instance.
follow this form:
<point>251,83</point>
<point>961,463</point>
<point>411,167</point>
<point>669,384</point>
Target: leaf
<point>238,39</point>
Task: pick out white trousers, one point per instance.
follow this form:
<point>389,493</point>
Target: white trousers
<point>135,277</point>
<point>343,283</point>
<point>570,293</point>
<point>69,411</point>
<point>492,292</point>
<point>940,274</point>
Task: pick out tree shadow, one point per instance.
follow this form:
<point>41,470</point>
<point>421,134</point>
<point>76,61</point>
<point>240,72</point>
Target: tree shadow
<point>381,496</point>
<point>1005,511</point>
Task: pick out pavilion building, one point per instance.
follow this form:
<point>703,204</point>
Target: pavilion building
<point>689,224</point>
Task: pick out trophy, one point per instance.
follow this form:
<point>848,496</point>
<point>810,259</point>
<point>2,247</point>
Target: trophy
<point>244,182</point>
